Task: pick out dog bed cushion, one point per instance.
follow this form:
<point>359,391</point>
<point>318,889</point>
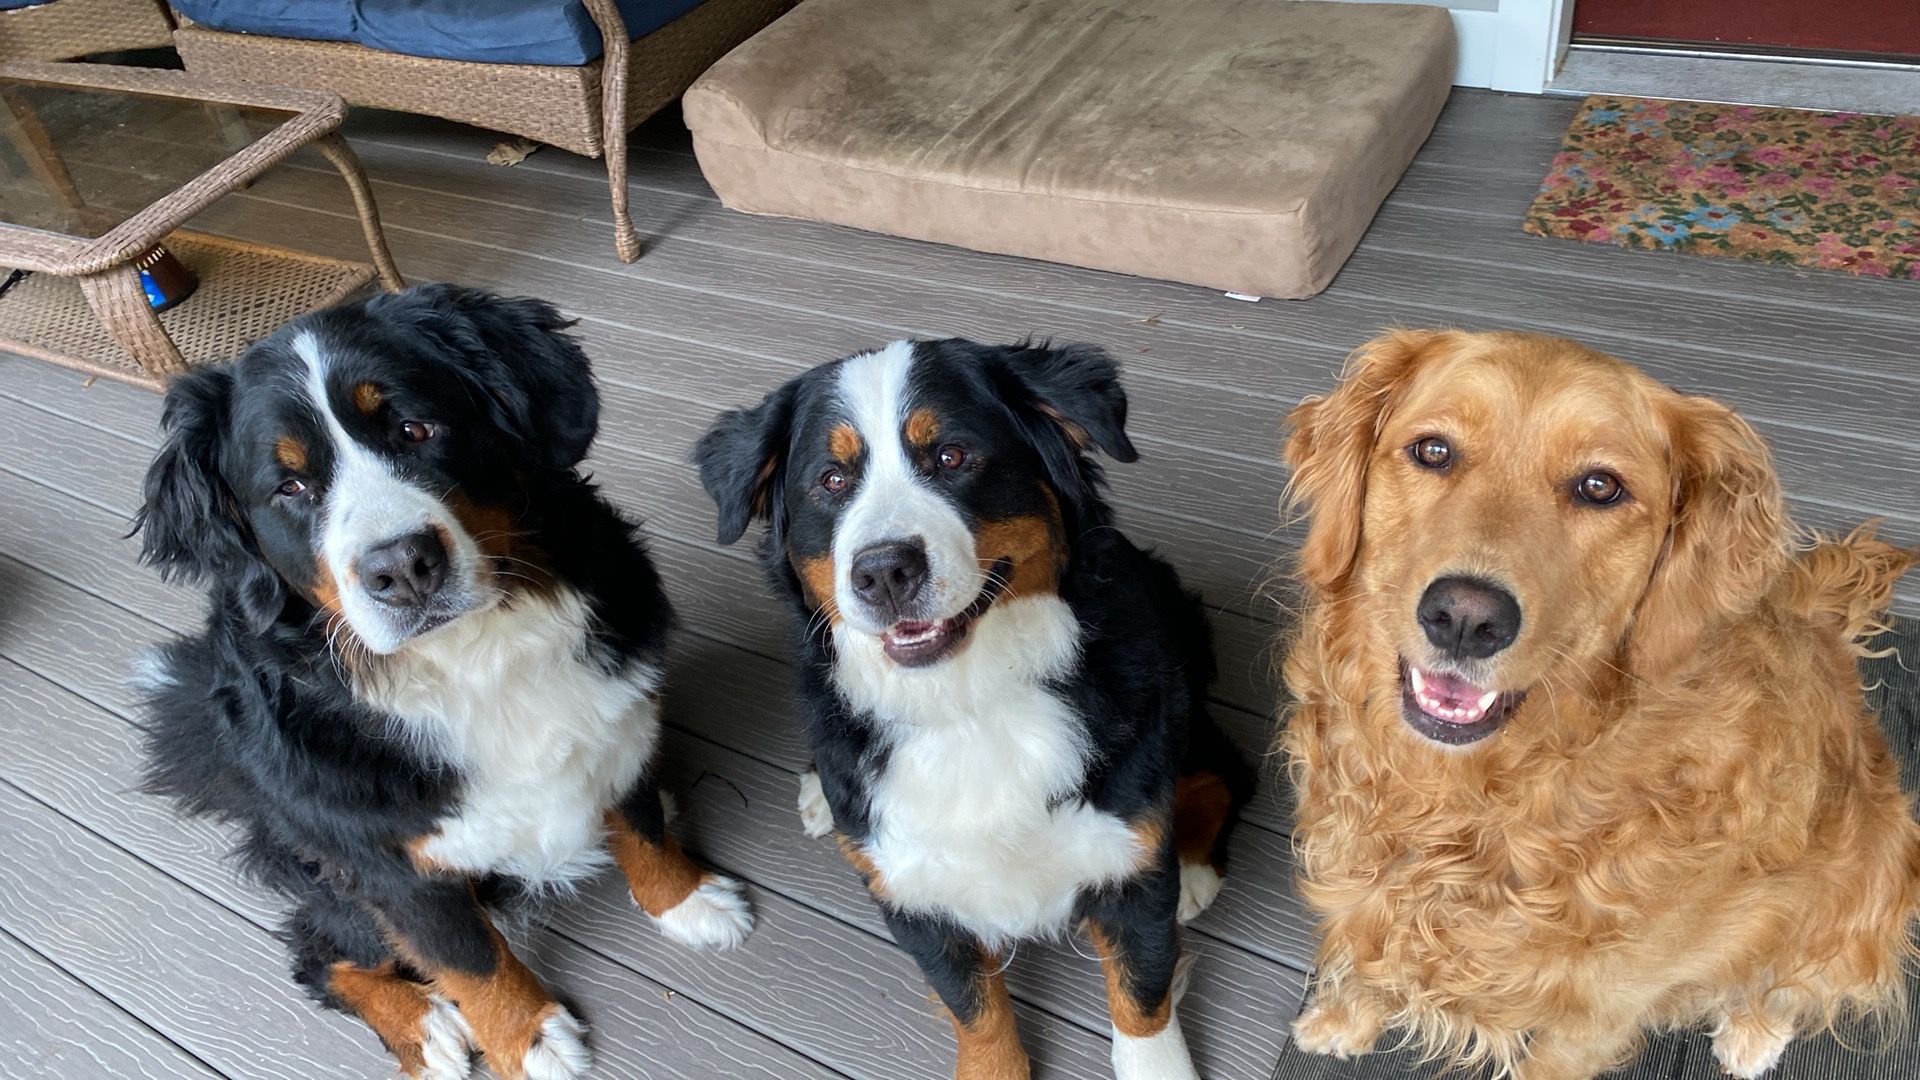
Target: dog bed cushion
<point>552,32</point>
<point>1237,144</point>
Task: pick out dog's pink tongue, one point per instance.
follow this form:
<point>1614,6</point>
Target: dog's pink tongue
<point>1449,697</point>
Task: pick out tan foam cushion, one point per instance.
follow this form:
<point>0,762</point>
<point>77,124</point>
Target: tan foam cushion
<point>1237,144</point>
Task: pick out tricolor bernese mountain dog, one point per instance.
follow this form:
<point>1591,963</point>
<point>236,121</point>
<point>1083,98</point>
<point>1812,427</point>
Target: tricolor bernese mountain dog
<point>1006,699</point>
<point>428,686</point>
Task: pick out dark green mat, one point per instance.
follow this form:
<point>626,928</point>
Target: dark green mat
<point>1690,1057</point>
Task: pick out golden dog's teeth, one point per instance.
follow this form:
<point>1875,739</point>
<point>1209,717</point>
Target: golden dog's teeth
<point>1486,701</point>
<point>1419,680</point>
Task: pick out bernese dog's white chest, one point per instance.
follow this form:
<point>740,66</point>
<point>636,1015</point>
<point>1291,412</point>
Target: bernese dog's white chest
<point>975,813</point>
<point>544,738</point>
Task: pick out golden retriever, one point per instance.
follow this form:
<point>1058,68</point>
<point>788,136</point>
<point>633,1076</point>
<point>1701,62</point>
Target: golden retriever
<point>1579,744</point>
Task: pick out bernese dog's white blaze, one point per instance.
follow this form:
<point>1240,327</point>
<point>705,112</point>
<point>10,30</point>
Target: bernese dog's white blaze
<point>366,504</point>
<point>545,738</point>
<point>894,503</point>
<point>984,732</point>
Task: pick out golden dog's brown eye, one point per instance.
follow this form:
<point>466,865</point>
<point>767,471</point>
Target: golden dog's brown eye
<point>292,488</point>
<point>418,431</point>
<point>834,481</point>
<point>952,457</point>
<point>1432,452</point>
<point>1600,488</point>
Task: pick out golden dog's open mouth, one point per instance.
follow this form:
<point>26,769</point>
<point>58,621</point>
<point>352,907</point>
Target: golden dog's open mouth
<point>1448,709</point>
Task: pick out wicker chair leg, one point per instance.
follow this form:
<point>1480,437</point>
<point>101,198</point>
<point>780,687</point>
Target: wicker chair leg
<point>625,241</point>
<point>117,298</point>
<point>615,67</point>
<point>344,159</point>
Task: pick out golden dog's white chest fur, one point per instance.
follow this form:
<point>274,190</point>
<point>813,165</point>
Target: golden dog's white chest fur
<point>975,814</point>
<point>545,739</point>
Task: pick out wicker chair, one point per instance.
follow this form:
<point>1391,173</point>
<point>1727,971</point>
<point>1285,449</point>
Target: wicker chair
<point>586,109</point>
<point>64,29</point>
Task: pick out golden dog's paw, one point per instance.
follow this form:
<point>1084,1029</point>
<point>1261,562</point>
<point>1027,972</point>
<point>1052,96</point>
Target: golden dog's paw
<point>1330,1028</point>
<point>1748,1048</point>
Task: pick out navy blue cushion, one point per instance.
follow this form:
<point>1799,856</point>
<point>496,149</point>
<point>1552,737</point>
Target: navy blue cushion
<point>555,32</point>
<point>315,20</point>
<point>9,5</point>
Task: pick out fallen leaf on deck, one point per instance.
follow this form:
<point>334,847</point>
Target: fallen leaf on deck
<point>511,153</point>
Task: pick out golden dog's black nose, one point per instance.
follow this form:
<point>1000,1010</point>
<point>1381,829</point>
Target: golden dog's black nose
<point>1468,618</point>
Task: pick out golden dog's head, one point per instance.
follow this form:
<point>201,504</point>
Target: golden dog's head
<point>1506,513</point>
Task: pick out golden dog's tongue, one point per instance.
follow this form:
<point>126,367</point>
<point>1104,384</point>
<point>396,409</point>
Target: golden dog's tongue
<point>1449,697</point>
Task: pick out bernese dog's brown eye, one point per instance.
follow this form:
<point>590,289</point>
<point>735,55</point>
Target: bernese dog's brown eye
<point>1432,452</point>
<point>834,481</point>
<point>418,431</point>
<point>1600,488</point>
<point>952,457</point>
<point>292,488</point>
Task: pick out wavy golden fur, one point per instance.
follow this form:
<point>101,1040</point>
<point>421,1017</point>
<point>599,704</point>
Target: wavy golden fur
<point>1691,817</point>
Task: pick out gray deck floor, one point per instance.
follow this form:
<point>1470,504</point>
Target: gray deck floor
<point>129,948</point>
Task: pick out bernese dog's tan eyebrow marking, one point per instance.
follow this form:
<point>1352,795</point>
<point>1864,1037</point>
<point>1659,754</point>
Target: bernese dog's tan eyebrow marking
<point>844,443</point>
<point>367,398</point>
<point>922,428</point>
<point>290,452</point>
<point>659,875</point>
<point>1129,1018</point>
<point>393,1006</point>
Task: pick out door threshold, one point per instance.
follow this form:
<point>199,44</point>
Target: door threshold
<point>1696,75</point>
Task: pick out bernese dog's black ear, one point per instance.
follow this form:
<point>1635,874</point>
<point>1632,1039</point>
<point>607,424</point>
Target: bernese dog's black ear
<point>189,524</point>
<point>516,350</point>
<point>1076,388</point>
<point>743,462</point>
<point>1068,402</point>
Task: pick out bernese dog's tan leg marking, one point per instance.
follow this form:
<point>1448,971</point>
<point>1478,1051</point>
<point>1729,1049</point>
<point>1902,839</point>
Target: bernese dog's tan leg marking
<point>660,875</point>
<point>990,1043</point>
<point>1131,1017</point>
<point>1202,804</point>
<point>524,1033</point>
<point>693,907</point>
<point>1147,1041</point>
<point>425,1034</point>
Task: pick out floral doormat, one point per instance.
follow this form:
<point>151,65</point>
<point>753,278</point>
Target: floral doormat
<point>1840,191</point>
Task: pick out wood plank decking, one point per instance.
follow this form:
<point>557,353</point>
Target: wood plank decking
<point>129,948</point>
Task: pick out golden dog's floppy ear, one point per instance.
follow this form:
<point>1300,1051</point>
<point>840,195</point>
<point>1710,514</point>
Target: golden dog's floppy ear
<point>1331,441</point>
<point>1727,541</point>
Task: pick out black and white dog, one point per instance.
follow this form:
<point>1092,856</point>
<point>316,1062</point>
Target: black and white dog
<point>429,680</point>
<point>1006,698</point>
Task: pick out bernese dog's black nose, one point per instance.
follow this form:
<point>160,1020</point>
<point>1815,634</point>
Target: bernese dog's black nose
<point>1467,618</point>
<point>406,571</point>
<point>888,576</point>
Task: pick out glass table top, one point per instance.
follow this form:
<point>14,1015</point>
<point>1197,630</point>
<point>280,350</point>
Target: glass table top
<point>78,161</point>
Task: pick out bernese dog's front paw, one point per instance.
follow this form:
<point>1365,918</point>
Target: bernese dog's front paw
<point>1199,887</point>
<point>816,817</point>
<point>446,1043</point>
<point>715,915</point>
<point>559,1051</point>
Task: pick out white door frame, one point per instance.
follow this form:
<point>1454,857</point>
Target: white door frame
<point>1513,45</point>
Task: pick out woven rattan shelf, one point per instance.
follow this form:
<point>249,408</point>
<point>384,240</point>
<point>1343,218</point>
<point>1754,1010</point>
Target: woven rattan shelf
<point>246,291</point>
<point>56,226</point>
